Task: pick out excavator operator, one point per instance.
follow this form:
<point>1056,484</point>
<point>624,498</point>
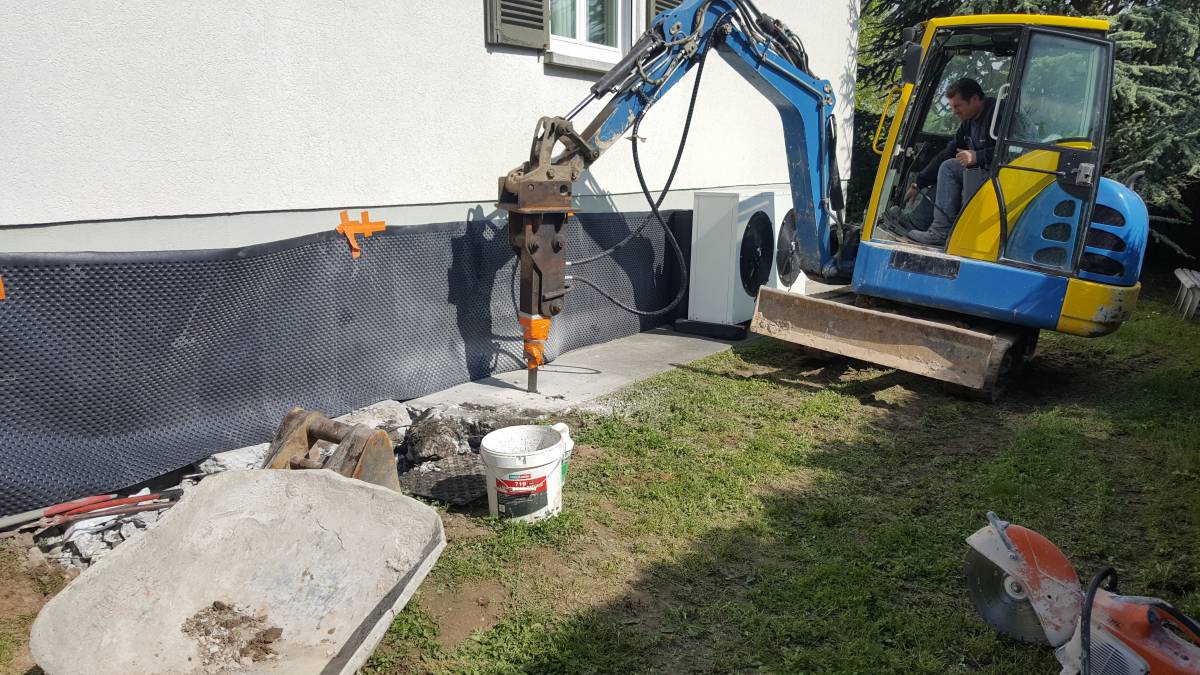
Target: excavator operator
<point>957,171</point>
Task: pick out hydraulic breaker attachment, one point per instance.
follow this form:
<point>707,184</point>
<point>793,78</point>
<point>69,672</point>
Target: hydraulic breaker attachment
<point>537,196</point>
<point>539,242</point>
<point>973,353</point>
<point>362,452</point>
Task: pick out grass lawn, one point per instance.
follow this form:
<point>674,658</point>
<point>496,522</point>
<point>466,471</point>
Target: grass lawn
<point>762,510</point>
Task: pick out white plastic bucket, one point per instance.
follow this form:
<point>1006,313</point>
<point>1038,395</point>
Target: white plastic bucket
<point>526,470</point>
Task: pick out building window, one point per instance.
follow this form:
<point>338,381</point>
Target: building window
<point>588,29</point>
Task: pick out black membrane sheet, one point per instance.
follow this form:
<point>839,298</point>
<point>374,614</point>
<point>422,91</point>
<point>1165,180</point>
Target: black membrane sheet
<point>118,367</point>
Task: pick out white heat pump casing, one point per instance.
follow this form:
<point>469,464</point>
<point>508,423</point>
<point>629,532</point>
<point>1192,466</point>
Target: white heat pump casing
<point>720,222</point>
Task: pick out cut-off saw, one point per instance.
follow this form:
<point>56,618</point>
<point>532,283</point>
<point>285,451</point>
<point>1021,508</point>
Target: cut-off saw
<point>1024,587</point>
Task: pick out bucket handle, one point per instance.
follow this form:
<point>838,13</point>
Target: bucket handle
<point>562,428</point>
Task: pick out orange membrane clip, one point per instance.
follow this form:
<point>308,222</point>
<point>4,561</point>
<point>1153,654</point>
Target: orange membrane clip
<point>364,226</point>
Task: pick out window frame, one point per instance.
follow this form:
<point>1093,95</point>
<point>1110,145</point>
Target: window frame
<point>627,16</point>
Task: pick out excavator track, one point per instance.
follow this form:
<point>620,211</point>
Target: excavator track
<point>976,355</point>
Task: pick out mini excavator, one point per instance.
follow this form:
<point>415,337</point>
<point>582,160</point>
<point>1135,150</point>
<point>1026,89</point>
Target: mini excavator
<point>1045,242</point>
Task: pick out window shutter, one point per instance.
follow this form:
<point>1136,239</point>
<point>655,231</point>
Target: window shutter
<point>656,7</point>
<point>520,23</point>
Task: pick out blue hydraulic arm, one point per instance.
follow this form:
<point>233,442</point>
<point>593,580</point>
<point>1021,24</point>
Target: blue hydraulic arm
<point>537,194</point>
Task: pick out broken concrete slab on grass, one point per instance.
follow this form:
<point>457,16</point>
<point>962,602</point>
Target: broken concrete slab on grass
<point>327,560</point>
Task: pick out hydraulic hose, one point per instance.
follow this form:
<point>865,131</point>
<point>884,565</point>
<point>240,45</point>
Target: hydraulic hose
<point>654,205</point>
<point>687,124</point>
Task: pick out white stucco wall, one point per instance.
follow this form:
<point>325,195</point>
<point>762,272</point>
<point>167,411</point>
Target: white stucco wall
<point>155,108</point>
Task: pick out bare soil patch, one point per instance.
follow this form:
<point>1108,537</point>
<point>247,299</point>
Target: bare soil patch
<point>27,586</point>
<point>461,526</point>
<point>461,611</point>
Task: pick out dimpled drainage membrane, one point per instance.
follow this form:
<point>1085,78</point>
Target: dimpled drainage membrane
<point>118,367</point>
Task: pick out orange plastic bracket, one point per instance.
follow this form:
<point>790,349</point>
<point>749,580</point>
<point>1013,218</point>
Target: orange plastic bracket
<point>364,226</point>
<point>1,288</point>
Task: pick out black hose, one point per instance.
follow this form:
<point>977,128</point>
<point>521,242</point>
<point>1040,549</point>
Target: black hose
<point>687,124</point>
<point>1085,625</point>
<point>654,204</point>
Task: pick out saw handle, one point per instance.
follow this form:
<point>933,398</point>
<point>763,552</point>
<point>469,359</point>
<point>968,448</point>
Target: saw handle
<point>1183,622</point>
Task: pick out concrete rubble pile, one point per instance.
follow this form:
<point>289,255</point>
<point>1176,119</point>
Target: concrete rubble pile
<point>440,433</point>
<point>85,542</point>
<point>424,438</point>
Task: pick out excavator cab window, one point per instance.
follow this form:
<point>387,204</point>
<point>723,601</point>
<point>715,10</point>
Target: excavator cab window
<point>1049,149</point>
<point>988,68</point>
<point>983,54</point>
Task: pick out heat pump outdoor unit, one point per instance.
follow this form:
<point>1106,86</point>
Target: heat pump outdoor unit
<point>738,244</point>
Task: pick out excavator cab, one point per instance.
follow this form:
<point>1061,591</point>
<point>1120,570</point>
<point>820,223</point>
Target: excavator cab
<point>1042,240</point>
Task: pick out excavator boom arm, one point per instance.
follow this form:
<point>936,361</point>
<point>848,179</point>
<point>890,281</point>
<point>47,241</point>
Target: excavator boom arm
<point>762,50</point>
<point>537,194</point>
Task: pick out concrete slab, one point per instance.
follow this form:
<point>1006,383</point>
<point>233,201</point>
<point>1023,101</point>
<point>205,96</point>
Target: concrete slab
<point>327,559</point>
<point>575,380</point>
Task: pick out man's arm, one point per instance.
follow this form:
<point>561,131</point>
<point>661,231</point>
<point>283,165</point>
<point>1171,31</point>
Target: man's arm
<point>985,153</point>
<point>929,174</point>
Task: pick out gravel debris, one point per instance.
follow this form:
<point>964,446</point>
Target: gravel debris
<point>229,635</point>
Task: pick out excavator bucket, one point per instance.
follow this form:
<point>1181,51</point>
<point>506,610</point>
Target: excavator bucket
<point>974,354</point>
<point>362,452</point>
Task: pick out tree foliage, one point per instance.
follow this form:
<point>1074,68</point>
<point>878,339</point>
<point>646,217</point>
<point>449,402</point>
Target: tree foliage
<point>1155,116</point>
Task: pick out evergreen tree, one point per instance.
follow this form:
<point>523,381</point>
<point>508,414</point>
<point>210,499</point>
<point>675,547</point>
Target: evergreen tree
<point>1155,116</point>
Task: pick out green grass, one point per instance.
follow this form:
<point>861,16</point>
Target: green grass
<point>760,511</point>
<point>14,633</point>
<point>480,557</point>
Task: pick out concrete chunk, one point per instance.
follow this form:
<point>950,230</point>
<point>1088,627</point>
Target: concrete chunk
<point>249,457</point>
<point>391,416</point>
<point>436,435</point>
<point>327,559</point>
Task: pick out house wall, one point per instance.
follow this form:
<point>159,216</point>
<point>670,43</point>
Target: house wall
<point>135,132</point>
<point>140,110</point>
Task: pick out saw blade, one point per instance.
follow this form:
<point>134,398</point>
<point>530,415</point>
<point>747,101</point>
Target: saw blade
<point>1001,600</point>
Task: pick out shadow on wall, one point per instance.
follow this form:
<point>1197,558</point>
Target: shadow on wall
<point>631,257</point>
<point>481,259</point>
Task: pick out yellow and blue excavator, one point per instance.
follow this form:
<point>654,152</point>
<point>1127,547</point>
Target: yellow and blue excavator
<point>1044,243</point>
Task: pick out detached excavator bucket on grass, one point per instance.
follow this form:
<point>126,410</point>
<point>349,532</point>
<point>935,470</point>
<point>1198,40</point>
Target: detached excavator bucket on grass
<point>974,354</point>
